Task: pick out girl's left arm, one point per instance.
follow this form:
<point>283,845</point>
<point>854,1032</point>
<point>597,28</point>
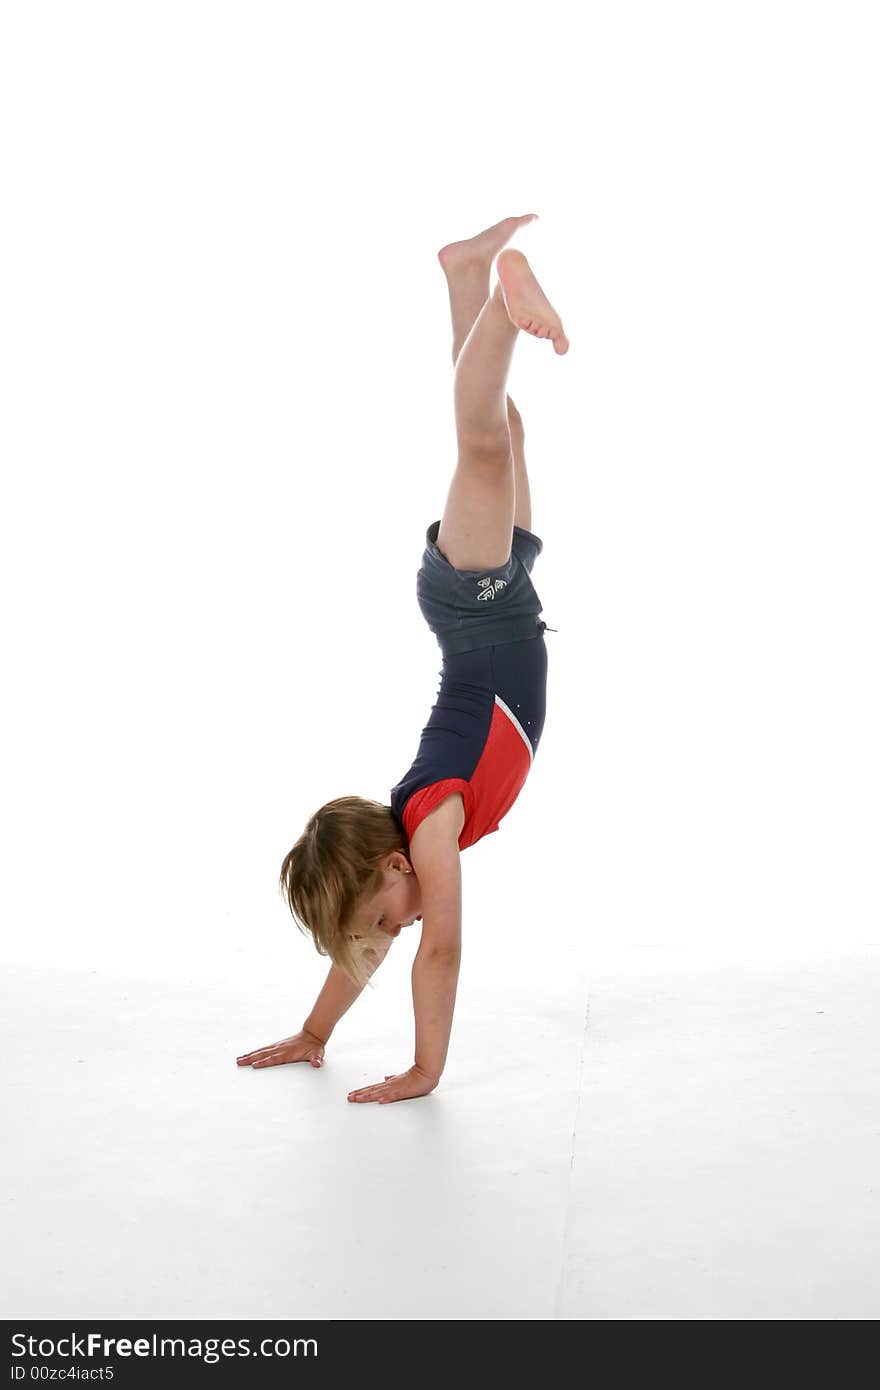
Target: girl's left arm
<point>437,863</point>
<point>436,966</point>
<point>434,985</point>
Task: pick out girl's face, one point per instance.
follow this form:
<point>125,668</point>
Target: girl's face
<point>399,903</point>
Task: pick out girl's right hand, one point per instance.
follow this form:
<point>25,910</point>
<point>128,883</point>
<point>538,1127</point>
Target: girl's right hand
<point>301,1047</point>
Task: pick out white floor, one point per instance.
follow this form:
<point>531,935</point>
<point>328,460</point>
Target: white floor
<point>671,1139</point>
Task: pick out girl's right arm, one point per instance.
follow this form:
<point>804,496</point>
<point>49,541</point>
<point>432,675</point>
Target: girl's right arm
<point>337,995</point>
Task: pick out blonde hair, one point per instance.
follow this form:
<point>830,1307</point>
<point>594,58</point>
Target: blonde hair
<point>334,868</point>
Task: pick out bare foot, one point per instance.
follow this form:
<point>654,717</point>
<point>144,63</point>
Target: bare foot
<point>482,249</point>
<point>526,303</point>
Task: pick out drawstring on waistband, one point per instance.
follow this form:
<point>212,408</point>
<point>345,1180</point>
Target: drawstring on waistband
<point>544,628</point>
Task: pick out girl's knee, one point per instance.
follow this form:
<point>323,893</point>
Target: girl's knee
<point>485,448</point>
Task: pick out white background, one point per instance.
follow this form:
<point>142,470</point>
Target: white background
<point>228,422</point>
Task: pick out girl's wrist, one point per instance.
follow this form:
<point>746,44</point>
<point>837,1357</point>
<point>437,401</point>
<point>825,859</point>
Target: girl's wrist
<point>313,1034</point>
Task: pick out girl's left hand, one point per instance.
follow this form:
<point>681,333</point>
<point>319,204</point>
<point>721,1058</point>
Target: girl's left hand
<point>405,1086</point>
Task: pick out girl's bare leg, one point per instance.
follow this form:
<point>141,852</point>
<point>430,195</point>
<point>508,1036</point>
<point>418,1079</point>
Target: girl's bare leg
<point>467,266</point>
<point>476,529</point>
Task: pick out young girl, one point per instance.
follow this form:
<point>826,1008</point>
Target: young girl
<point>361,870</point>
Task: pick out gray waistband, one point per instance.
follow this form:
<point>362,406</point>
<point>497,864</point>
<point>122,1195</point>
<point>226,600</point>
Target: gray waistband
<point>454,642</point>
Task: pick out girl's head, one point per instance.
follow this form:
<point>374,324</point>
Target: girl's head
<point>348,881</point>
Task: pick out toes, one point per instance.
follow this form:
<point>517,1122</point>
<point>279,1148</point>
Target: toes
<point>541,330</point>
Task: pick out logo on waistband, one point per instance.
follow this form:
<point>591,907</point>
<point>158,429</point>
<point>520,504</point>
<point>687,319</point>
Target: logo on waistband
<point>486,589</point>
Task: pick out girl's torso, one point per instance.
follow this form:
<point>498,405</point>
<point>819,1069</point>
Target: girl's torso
<point>481,738</point>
